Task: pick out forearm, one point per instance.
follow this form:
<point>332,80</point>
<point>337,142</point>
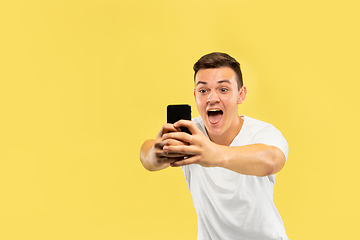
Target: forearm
<point>148,158</point>
<point>257,159</point>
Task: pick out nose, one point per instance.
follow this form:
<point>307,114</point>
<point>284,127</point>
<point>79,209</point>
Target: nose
<point>212,98</point>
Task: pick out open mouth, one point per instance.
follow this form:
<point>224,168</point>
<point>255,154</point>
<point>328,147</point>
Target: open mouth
<point>214,115</point>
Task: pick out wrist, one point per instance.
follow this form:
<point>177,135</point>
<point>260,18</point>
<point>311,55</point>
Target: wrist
<point>221,156</point>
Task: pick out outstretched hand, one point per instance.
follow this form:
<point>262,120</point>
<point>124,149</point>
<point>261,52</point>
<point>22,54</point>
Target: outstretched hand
<point>152,155</point>
<point>162,157</point>
<point>198,150</point>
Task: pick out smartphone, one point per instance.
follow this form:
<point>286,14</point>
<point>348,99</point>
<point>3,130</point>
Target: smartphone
<point>178,112</point>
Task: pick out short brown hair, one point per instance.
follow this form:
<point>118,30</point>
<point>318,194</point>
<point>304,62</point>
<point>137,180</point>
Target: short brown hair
<point>217,60</point>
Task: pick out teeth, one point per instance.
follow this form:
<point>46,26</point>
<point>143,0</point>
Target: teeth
<point>214,110</point>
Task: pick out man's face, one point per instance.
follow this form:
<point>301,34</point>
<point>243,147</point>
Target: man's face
<point>217,97</point>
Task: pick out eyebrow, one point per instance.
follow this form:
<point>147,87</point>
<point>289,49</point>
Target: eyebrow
<point>221,81</point>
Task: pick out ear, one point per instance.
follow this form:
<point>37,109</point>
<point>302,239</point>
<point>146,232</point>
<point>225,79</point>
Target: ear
<point>242,94</point>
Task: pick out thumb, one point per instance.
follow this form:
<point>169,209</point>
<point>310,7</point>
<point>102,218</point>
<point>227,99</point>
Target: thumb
<point>188,124</point>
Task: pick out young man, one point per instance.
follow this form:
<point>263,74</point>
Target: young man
<point>229,161</point>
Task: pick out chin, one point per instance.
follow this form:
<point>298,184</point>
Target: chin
<point>214,131</point>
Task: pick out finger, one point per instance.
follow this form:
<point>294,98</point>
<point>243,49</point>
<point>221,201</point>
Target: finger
<point>168,127</point>
<point>184,150</point>
<point>164,154</point>
<point>168,142</point>
<point>180,136</point>
<point>185,161</point>
<point>172,159</point>
<point>189,124</point>
<point>159,144</point>
<point>170,155</point>
<point>174,142</point>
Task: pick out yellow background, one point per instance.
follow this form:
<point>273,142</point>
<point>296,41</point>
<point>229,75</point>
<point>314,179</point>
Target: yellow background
<point>85,82</point>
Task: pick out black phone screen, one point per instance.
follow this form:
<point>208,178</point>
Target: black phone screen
<point>178,112</point>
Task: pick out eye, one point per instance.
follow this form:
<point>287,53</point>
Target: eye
<point>202,91</point>
<point>223,90</point>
